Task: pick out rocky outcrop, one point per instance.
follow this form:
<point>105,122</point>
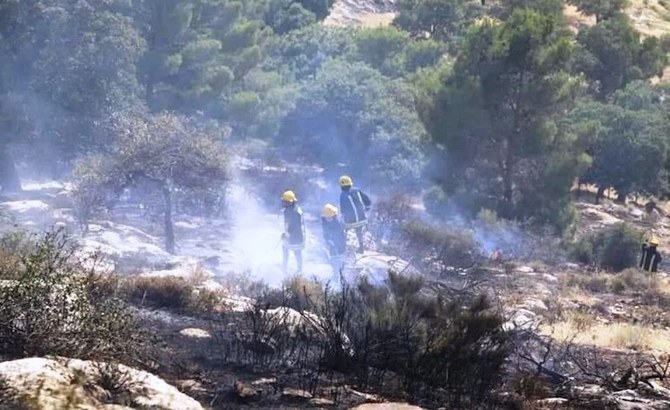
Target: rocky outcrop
<point>59,383</point>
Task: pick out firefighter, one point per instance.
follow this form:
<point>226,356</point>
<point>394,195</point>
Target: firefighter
<point>353,205</point>
<point>650,255</point>
<point>334,235</point>
<point>293,238</point>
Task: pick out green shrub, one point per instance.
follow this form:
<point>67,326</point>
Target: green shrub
<point>53,306</point>
<point>615,247</point>
<point>438,247</point>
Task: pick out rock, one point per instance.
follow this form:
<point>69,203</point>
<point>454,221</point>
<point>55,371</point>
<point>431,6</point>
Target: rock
<point>534,305</point>
<point>570,265</point>
<point>617,311</point>
<point>190,385</point>
<point>553,401</point>
<point>570,305</point>
<point>522,319</point>
<point>375,266</point>
<point>237,304</point>
<point>550,278</point>
<point>195,333</point>
<point>636,213</point>
<point>295,395</point>
<point>524,269</point>
<point>370,398</point>
<point>243,391</point>
<point>318,401</point>
<point>48,384</point>
<point>264,381</point>
<point>386,406</point>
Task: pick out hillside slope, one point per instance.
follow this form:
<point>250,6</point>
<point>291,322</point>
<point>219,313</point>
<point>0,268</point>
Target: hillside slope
<point>361,13</point>
<point>651,17</point>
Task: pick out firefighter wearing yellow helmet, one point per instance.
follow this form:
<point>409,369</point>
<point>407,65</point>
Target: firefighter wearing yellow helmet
<point>650,255</point>
<point>293,238</point>
<point>353,205</point>
<point>334,236</point>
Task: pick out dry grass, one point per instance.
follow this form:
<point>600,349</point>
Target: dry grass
<point>616,335</point>
<point>374,20</point>
<point>650,17</point>
<point>578,295</point>
<point>303,292</point>
<point>629,280</point>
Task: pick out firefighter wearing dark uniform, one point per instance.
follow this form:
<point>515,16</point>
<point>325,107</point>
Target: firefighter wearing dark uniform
<point>650,256</point>
<point>334,236</point>
<point>353,204</point>
<point>293,238</point>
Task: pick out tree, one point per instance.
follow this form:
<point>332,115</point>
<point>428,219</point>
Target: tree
<point>301,53</point>
<point>198,51</point>
<point>351,114</point>
<point>497,114</point>
<point>612,55</point>
<point>320,8</point>
<point>439,19</point>
<point>394,53</point>
<point>601,9</point>
<point>168,151</point>
<point>287,15</point>
<point>630,145</point>
<point>64,65</point>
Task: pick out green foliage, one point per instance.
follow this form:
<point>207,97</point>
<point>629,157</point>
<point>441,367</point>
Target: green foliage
<point>438,248</point>
<point>53,306</point>
<point>612,55</point>
<point>351,114</point>
<point>615,247</point>
<point>442,20</point>
<point>320,8</point>
<point>628,141</point>
<point>287,15</point>
<point>497,118</point>
<point>197,54</point>
<point>166,150</point>
<point>393,53</point>
<point>301,53</point>
<point>601,9</point>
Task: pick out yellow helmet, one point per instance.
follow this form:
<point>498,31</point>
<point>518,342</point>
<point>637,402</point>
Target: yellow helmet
<point>289,196</point>
<point>329,211</point>
<point>653,241</point>
<point>346,181</point>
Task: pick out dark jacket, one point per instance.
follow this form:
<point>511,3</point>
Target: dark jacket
<point>294,225</point>
<point>353,204</point>
<point>333,234</point>
<point>650,258</point>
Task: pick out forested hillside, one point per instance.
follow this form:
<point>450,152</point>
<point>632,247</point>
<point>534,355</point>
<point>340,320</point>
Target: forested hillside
<point>512,157</point>
<point>496,105</point>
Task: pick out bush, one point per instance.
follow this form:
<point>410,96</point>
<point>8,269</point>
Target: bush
<point>301,293</point>
<point>53,306</point>
<point>167,292</point>
<point>388,216</point>
<point>431,341</point>
<point>615,247</point>
<point>437,248</point>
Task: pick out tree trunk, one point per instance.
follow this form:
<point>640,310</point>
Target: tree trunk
<point>9,177</point>
<point>579,189</point>
<point>169,226</point>
<point>600,194</point>
<point>507,184</point>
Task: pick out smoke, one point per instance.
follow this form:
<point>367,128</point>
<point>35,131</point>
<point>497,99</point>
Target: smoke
<point>255,236</point>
